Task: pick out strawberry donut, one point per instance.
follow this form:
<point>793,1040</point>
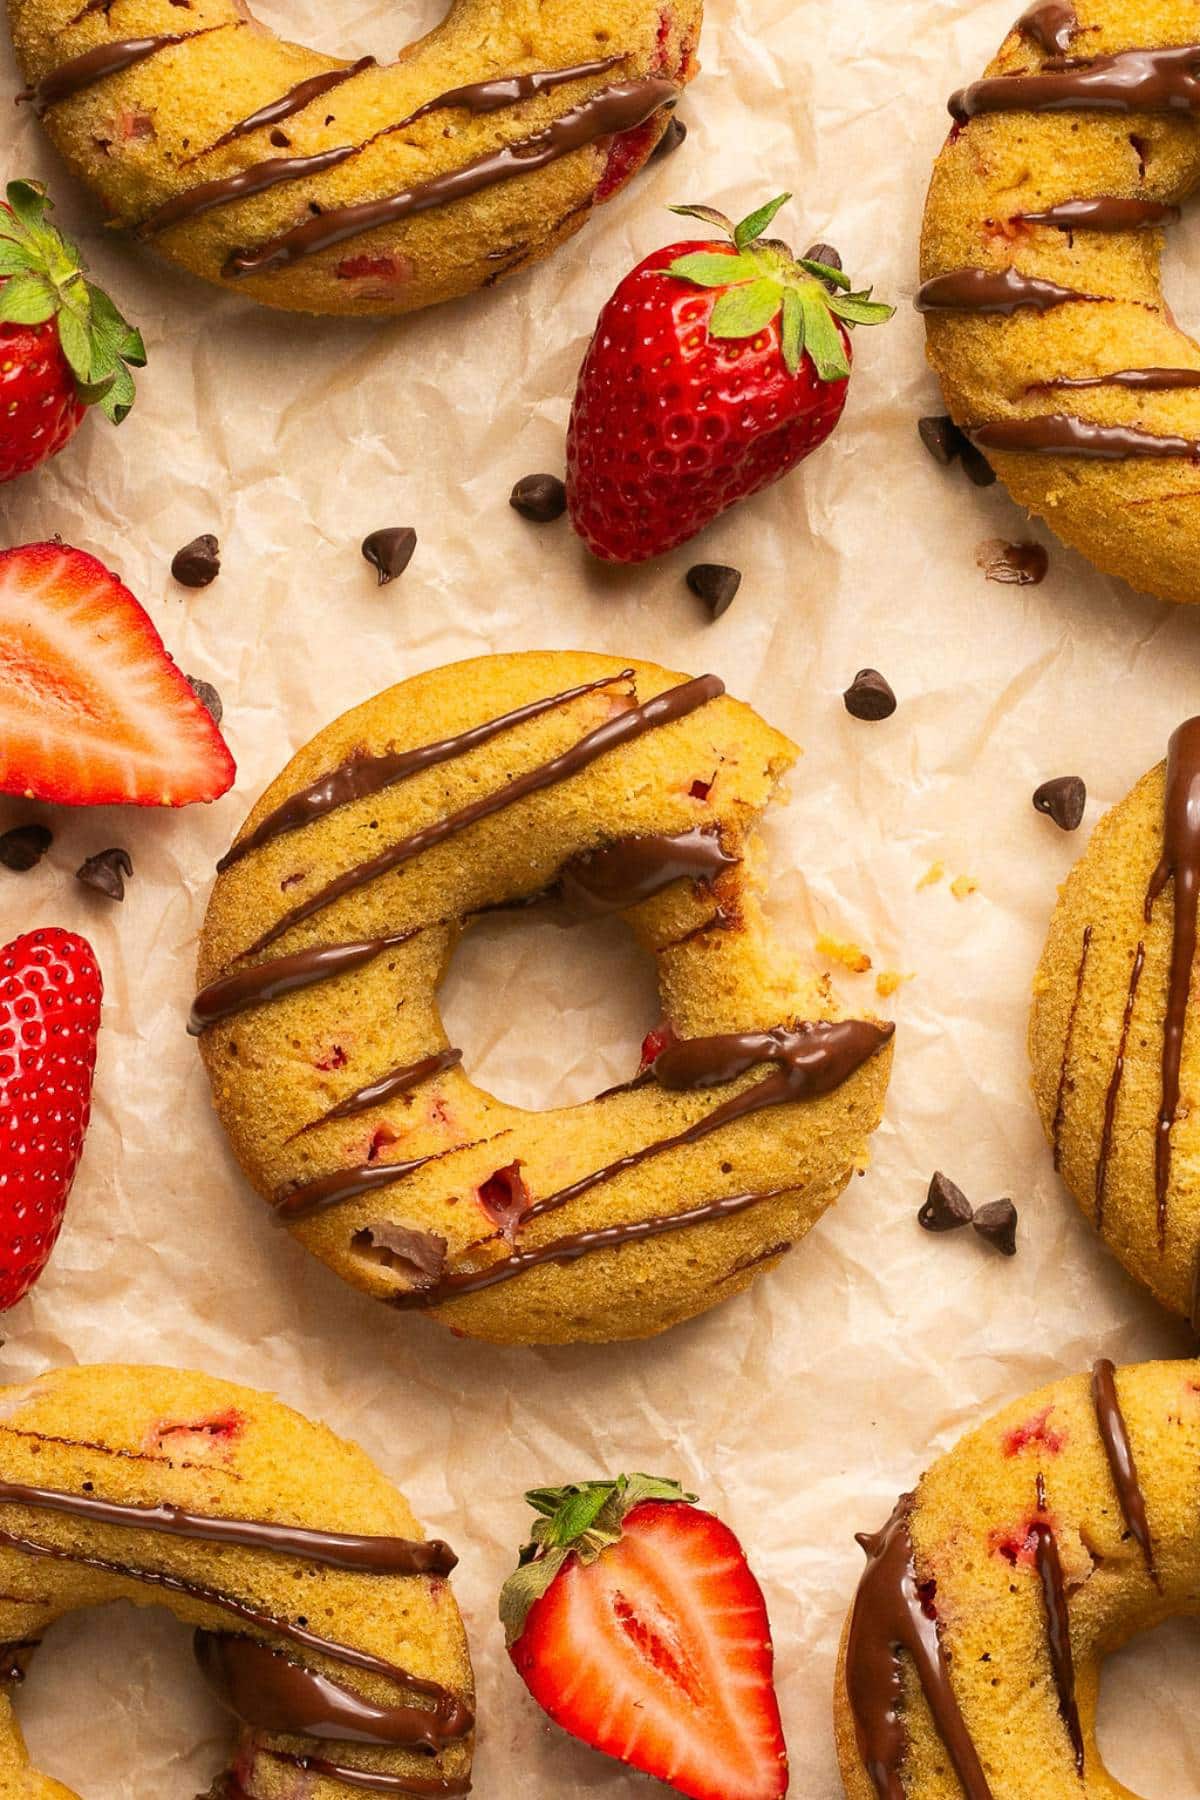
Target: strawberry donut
<point>323,1620</point>
<point>970,1664</point>
<point>594,788</point>
<point>328,186</point>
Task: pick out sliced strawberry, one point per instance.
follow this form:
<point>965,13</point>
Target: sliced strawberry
<point>635,1622</point>
<point>93,712</point>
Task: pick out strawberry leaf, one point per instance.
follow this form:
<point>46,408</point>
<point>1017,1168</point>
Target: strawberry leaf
<point>792,331</point>
<point>118,395</point>
<point>755,223</point>
<point>26,300</point>
<point>14,258</point>
<point>713,268</point>
<point>822,339</point>
<point>824,271</point>
<point>525,1585</point>
<point>76,344</point>
<point>709,214</point>
<point>860,309</point>
<point>28,202</point>
<point>742,311</point>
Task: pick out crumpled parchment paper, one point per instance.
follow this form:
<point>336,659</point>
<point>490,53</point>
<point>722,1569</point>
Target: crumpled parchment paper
<point>800,1410</point>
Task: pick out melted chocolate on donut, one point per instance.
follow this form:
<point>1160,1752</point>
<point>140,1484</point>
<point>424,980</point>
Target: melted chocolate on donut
<point>1140,380</point>
<point>372,1781</point>
<point>1130,81</point>
<point>1058,1629</point>
<point>1108,212</point>
<point>1060,1098</point>
<point>1061,434</point>
<point>1003,291</point>
<point>1051,24</point>
<point>1180,864</point>
<point>236,993</point>
<point>1113,1091</point>
<point>1114,1435</point>
<point>294,101</point>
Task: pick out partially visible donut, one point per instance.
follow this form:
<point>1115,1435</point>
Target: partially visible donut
<point>970,1664</point>
<point>323,1619</point>
<point>333,187</point>
<point>493,784</point>
<point>1042,292</point>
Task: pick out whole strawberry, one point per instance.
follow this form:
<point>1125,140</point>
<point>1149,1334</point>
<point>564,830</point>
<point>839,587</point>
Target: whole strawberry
<point>50,991</point>
<point>715,368</point>
<point>63,344</point>
<point>635,1622</point>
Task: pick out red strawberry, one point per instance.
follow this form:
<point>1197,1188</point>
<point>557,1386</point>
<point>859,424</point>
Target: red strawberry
<point>63,344</point>
<point>93,712</point>
<point>635,1622</point>
<point>50,991</point>
<point>715,368</point>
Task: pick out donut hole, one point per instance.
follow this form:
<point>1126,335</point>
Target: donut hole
<point>369,30</point>
<point>548,1016</point>
<point>1155,1667</point>
<point>1181,274</point>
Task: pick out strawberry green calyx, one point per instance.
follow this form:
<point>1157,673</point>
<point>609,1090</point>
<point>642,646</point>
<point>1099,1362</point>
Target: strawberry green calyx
<point>42,278</point>
<point>582,1521</point>
<point>763,280</point>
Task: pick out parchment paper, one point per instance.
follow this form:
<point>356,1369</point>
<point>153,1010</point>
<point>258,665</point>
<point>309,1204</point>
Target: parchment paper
<point>798,1411</point>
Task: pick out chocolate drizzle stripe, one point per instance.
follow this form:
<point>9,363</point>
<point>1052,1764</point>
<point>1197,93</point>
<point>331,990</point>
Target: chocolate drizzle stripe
<point>1114,1435</point>
<point>666,708</point>
<point>1000,291</point>
<point>359,777</point>
<point>1051,24</point>
<point>1061,434</point>
<point>1130,81</point>
<point>888,1620</point>
<point>341,1185</point>
<point>813,1059</point>
<point>237,993</point>
<point>606,113</point>
<point>1108,212</point>
<point>1141,380</point>
<point>255,180</point>
<point>1179,864</point>
<point>1058,1632</point>
<point>103,60</point>
<point>386,1087</point>
<point>333,1549</point>
<point>287,105</point>
<point>1060,1098</point>
<point>374,1781</point>
<point>1114,1086</point>
<point>623,874</point>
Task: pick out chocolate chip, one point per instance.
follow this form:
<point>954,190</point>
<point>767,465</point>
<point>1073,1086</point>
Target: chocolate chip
<point>539,498</point>
<point>24,846</point>
<point>976,467</point>
<point>1062,799</point>
<point>390,551</point>
<point>106,872</point>
<point>997,1222</point>
<point>716,584</point>
<point>207,695</point>
<point>942,438</point>
<point>869,696</point>
<point>824,253</point>
<point>280,139</point>
<point>671,138</point>
<point>197,563</point>
<point>1021,565</point>
<point>946,1207</point>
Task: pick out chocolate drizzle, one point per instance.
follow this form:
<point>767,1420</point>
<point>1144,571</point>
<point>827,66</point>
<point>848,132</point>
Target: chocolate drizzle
<point>634,869</point>
<point>1060,1098</point>
<point>1114,1435</point>
<point>675,703</point>
<point>1140,380</point>
<point>1109,212</point>
<point>294,101</point>
<point>359,777</point>
<point>1058,1631</point>
<point>1051,24</point>
<point>243,182</point>
<point>1114,1085</point>
<point>237,993</point>
<point>1003,291</point>
<point>94,65</point>
<point>888,1619</point>
<point>341,1185</point>
<point>606,113</point>
<point>1061,434</point>
<point>1179,863</point>
<point>509,90</point>
<point>374,1781</point>
<point>386,1087</point>
<point>1131,81</point>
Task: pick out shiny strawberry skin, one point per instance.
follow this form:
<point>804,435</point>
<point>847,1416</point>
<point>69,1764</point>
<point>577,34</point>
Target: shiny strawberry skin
<point>50,995</point>
<point>40,410</point>
<point>670,426</point>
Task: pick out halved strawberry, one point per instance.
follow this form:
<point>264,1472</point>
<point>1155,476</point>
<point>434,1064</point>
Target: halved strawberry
<point>93,712</point>
<point>635,1622</point>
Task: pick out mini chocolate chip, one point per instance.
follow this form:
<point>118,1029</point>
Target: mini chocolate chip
<point>24,846</point>
<point>869,696</point>
<point>976,467</point>
<point>539,498</point>
<point>997,1222</point>
<point>671,138</point>
<point>942,438</point>
<point>1020,565</point>
<point>197,563</point>
<point>1062,799</point>
<point>716,584</point>
<point>824,253</point>
<point>946,1207</point>
<point>280,139</point>
<point>390,551</point>
<point>106,872</point>
<point>207,695</point>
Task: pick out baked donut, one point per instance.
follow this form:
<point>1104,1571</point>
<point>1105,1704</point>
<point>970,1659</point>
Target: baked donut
<point>1042,290</point>
<point>1116,1068</point>
<point>331,187</point>
<point>499,783</point>
<point>970,1664</point>
<point>323,1619</point>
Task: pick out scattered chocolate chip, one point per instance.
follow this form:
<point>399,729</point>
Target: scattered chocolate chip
<point>1022,565</point>
<point>207,695</point>
<point>869,696</point>
<point>824,253</point>
<point>997,1222</point>
<point>946,1207</point>
<point>716,584</point>
<point>24,846</point>
<point>280,139</point>
<point>976,467</point>
<point>197,563</point>
<point>942,438</point>
<point>671,138</point>
<point>390,551</point>
<point>106,872</point>
<point>539,498</point>
<point>1062,799</point>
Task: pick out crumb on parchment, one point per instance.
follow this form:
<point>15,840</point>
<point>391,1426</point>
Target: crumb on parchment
<point>932,875</point>
<point>889,980</point>
<point>963,886</point>
<point>849,955</point>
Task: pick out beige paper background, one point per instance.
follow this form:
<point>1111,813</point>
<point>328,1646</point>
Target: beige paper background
<point>800,1410</point>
